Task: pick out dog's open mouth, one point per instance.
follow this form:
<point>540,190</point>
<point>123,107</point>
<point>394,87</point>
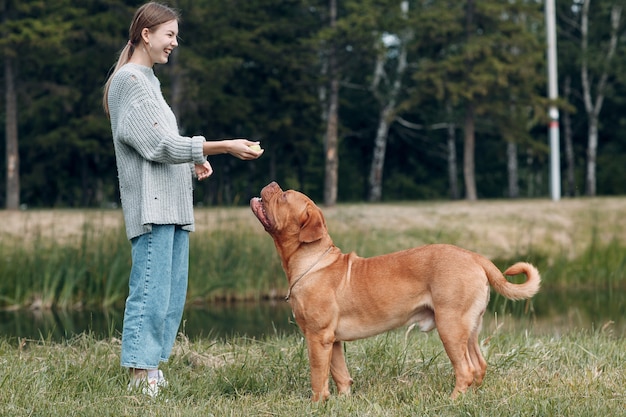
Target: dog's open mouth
<point>258,208</point>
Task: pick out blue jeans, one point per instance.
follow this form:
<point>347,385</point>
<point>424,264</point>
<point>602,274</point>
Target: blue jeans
<point>156,299</point>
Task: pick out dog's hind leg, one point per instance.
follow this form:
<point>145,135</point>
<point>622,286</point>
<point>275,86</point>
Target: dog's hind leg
<point>476,356</point>
<point>339,369</point>
<point>478,361</point>
<point>454,334</point>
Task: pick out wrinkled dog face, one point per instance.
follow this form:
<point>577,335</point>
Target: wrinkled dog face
<point>288,214</point>
<point>272,209</point>
<point>260,206</point>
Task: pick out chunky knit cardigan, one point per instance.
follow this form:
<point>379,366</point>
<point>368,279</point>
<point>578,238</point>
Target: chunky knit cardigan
<point>153,160</point>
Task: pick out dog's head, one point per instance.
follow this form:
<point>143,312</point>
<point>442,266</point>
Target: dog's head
<point>289,216</point>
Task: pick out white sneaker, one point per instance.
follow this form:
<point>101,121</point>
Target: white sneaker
<point>162,382</point>
<point>149,386</point>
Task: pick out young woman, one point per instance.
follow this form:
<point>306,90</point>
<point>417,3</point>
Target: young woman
<point>155,168</point>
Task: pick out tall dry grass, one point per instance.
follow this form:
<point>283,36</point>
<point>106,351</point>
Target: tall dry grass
<point>81,258</point>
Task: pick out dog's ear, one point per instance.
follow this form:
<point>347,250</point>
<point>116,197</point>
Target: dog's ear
<point>313,227</point>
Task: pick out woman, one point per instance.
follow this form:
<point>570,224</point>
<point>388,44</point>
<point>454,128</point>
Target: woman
<point>155,167</point>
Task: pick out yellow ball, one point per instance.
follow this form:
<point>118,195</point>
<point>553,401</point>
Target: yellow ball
<point>256,148</point>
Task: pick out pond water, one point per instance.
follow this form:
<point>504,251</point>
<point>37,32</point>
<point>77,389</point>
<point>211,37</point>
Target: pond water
<point>218,320</point>
<point>551,313</point>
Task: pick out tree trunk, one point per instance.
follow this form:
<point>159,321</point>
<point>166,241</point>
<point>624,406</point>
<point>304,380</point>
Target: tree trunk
<point>468,154</point>
<point>512,169</point>
<point>530,177</point>
<point>592,152</point>
<point>469,126</point>
<point>331,144</point>
<point>12,151</point>
<point>378,158</point>
<point>569,146</point>
<point>452,169</point>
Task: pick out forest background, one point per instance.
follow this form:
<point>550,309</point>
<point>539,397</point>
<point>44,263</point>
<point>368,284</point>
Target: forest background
<point>352,100</point>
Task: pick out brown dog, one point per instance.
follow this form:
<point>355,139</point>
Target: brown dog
<point>337,297</point>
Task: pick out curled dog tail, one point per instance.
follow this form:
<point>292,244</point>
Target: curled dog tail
<point>509,289</point>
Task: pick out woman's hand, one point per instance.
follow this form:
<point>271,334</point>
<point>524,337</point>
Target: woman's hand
<point>240,148</point>
<point>203,171</point>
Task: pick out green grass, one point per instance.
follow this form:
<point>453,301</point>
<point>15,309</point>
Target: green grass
<point>396,374</point>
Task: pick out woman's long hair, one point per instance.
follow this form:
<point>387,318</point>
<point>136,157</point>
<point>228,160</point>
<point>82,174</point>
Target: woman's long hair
<point>149,16</point>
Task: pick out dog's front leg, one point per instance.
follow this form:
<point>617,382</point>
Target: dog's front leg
<point>320,350</point>
<point>339,369</point>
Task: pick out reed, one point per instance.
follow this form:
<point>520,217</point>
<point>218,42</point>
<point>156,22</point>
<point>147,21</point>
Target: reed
<point>232,258</point>
<point>45,273</point>
<point>233,264</point>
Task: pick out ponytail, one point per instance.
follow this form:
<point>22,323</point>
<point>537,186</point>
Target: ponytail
<point>123,59</point>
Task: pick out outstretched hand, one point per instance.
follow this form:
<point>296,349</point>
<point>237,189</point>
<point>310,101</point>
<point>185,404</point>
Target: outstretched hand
<point>240,148</point>
<point>203,171</point>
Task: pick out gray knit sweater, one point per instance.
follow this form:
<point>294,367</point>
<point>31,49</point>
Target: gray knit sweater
<point>153,159</point>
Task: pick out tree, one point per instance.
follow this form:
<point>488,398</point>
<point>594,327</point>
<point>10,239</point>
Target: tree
<point>11,146</point>
<point>487,65</point>
<point>331,113</point>
<point>27,27</point>
<point>252,72</point>
<point>12,151</point>
<point>569,73</point>
<point>592,85</point>
<point>593,105</point>
<point>387,96</point>
<point>260,69</point>
<point>58,99</point>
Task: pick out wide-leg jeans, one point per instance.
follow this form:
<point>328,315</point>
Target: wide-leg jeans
<point>156,299</point>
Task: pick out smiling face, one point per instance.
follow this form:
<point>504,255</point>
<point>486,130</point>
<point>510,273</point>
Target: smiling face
<point>160,42</point>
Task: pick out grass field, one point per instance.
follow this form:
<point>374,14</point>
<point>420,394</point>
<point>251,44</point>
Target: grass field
<point>395,374</point>
<point>495,228</point>
<point>77,258</point>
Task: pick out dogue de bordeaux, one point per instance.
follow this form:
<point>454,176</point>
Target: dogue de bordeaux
<point>338,297</point>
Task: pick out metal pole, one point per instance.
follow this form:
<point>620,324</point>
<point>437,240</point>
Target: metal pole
<point>553,94</point>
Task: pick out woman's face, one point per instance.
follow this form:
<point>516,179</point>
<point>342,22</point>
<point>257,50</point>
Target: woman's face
<point>162,41</point>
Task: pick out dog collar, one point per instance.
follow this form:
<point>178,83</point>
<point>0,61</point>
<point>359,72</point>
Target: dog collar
<point>306,272</point>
